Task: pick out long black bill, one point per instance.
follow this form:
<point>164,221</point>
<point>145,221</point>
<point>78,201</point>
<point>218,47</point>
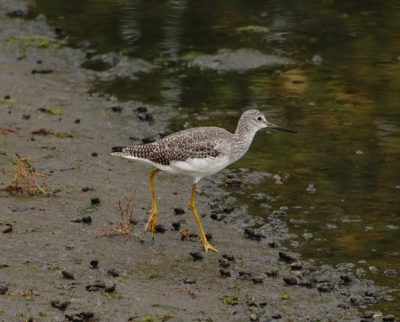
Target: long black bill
<point>276,127</point>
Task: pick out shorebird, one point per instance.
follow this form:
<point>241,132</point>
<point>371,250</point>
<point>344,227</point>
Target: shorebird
<point>196,152</point>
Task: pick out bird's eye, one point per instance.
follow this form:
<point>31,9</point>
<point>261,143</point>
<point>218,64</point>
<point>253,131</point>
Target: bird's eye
<point>259,118</point>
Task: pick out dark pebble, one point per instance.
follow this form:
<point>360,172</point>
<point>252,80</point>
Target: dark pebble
<point>179,211</point>
<point>77,121</point>
<point>196,256</point>
<point>6,97</point>
<point>189,280</point>
<point>272,244</point>
<point>228,257</point>
<point>306,283</point>
<point>95,287</point>
<point>145,117</point>
<point>225,272</point>
<point>208,236</point>
<point>87,220</point>
<point>218,217</point>
<point>113,272</point>
<point>3,289</point>
<point>95,154</point>
<point>290,280</point>
<point>244,275</point>
<point>110,288</point>
<point>176,225</point>
<point>8,229</point>
<point>252,234</point>
<point>59,32</point>
<point>117,109</point>
<point>277,316</point>
<point>41,71</point>
<point>286,258</point>
<point>224,262</point>
<point>26,116</point>
<point>366,320</point>
<point>159,228</point>
<point>86,189</point>
<point>257,279</point>
<point>346,279</point>
<point>61,305</point>
<point>326,287</point>
<point>141,109</point>
<point>95,201</point>
<point>344,306</point>
<point>272,273</point>
<point>78,317</point>
<point>94,264</point>
<point>388,318</point>
<point>67,275</point>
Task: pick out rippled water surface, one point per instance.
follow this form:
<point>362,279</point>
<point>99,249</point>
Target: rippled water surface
<point>341,172</point>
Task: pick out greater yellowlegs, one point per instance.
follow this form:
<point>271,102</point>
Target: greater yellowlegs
<point>196,152</point>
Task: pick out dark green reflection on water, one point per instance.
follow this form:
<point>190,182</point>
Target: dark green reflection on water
<point>343,95</point>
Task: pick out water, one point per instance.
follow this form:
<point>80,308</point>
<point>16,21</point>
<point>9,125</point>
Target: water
<point>343,92</point>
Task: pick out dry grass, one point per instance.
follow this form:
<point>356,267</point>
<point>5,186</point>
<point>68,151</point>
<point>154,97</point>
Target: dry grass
<point>25,179</point>
<point>123,226</point>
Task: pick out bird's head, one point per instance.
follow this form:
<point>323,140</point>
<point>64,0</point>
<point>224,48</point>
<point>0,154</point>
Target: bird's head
<point>256,120</point>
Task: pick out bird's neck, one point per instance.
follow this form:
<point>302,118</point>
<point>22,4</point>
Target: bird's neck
<point>243,136</point>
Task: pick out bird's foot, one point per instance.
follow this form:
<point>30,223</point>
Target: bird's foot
<point>207,246</point>
<point>151,223</point>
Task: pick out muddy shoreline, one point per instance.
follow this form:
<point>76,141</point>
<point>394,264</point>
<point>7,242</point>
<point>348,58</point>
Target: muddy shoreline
<point>47,262</point>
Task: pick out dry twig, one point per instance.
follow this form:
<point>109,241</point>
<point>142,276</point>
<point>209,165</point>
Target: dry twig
<point>123,227</point>
<point>25,179</point>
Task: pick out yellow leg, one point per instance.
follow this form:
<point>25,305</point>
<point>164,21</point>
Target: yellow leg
<point>207,246</point>
<point>152,221</point>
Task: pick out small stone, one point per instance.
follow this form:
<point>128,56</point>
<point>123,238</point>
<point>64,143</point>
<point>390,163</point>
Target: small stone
<point>189,280</point>
<point>95,201</point>
<point>271,273</point>
<point>224,262</point>
<point>253,317</point>
<point>257,279</point>
<point>359,152</point>
<point>95,154</point>
<point>94,264</point>
<point>141,109</point>
<point>317,60</point>
<point>397,187</point>
<point>286,258</point>
<point>113,272</point>
<point>179,211</point>
<point>296,266</point>
<point>290,280</point>
<point>196,256</point>
<point>346,279</point>
<point>325,287</point>
<point>209,236</point>
<point>8,229</point>
<point>390,272</point>
<point>224,272</point>
<point>388,318</point>
<point>61,305</point>
<point>159,228</point>
<point>145,117</point>
<point>110,288</point>
<point>311,188</point>
<point>67,275</point>
<point>87,220</point>
<point>218,216</point>
<point>77,121</point>
<point>116,109</point>
<point>176,225</point>
<point>95,287</point>
<point>26,117</point>
<point>276,316</point>
<point>228,257</point>
<point>3,288</point>
<point>252,234</point>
